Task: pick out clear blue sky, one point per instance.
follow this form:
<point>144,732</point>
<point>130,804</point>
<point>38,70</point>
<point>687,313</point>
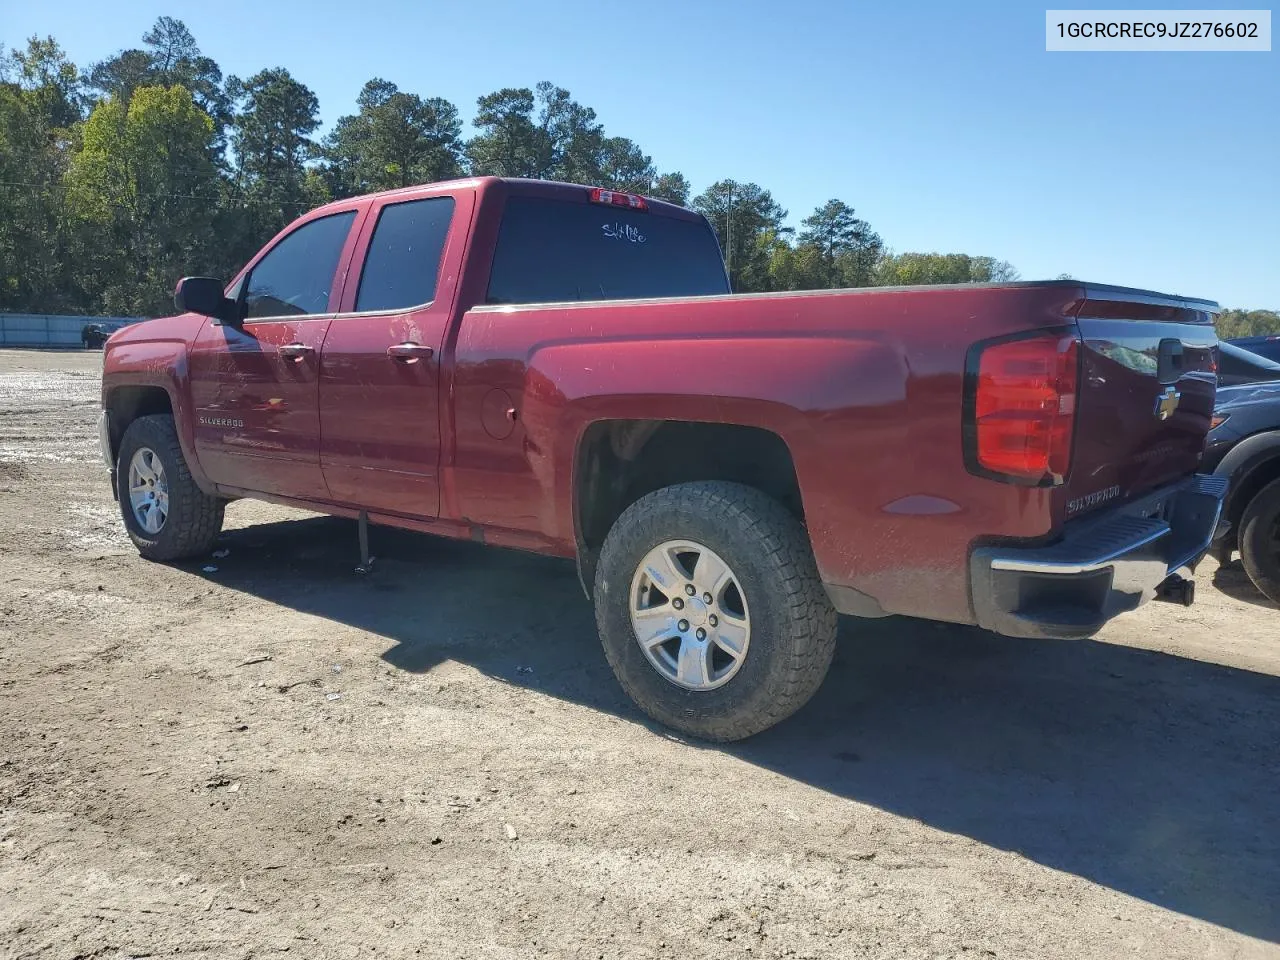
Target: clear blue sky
<point>945,124</point>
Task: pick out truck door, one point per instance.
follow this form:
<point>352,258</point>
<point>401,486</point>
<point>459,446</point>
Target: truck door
<point>380,367</point>
<point>254,388</point>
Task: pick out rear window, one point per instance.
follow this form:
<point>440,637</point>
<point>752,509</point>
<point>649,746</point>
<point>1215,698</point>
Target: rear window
<point>550,251</point>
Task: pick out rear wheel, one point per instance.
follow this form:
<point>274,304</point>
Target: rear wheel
<point>1260,540</point>
<point>167,515</point>
<point>711,610</point>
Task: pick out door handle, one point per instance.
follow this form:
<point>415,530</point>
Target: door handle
<point>1169,360</point>
<point>296,351</point>
<point>409,352</point>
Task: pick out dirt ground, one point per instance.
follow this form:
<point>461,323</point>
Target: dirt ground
<point>264,753</point>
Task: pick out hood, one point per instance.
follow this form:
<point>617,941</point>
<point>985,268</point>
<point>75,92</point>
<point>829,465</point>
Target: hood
<point>183,327</point>
<point>1247,394</point>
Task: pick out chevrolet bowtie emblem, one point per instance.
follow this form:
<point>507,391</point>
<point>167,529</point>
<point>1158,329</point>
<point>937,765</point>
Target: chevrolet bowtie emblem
<point>1166,403</point>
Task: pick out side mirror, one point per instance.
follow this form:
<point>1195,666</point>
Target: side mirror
<point>203,295</point>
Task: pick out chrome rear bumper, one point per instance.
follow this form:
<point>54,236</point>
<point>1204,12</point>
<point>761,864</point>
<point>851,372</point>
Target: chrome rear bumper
<point>1103,565</point>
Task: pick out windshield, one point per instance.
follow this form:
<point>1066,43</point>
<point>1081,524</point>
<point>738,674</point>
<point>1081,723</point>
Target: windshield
<point>1268,347</point>
<point>1237,365</point>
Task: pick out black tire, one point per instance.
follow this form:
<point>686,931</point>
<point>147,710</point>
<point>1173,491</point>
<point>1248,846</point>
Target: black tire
<point>793,625</point>
<point>1260,540</point>
<point>194,520</point>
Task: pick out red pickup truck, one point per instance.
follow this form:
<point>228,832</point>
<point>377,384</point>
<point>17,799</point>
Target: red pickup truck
<point>563,369</point>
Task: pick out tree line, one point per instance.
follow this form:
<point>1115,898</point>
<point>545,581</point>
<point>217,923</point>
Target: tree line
<point>1247,323</point>
<point>117,179</point>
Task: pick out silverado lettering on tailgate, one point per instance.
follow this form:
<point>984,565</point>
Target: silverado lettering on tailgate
<point>1092,499</point>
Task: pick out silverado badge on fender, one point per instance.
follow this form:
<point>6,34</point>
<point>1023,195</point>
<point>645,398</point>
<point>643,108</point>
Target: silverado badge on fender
<point>1167,403</point>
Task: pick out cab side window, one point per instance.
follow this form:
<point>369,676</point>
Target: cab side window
<point>296,275</point>
<point>404,255</point>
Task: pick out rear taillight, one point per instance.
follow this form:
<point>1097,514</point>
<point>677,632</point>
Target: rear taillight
<point>1020,408</point>
<point>613,198</point>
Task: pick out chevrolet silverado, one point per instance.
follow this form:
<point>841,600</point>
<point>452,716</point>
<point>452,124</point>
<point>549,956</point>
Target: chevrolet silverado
<point>564,369</point>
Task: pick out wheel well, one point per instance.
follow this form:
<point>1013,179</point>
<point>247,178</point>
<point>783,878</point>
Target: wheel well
<point>1258,477</point>
<point>619,461</point>
<point>127,404</point>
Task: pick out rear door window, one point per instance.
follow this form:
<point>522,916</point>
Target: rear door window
<point>403,262</point>
<point>552,251</point>
<point>295,276</point>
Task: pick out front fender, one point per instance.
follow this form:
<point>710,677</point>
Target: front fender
<point>162,364</point>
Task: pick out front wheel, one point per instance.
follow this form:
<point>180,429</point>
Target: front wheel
<point>1260,540</point>
<point>711,611</point>
<point>167,515</point>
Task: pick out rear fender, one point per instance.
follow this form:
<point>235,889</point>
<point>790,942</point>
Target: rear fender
<point>815,393</point>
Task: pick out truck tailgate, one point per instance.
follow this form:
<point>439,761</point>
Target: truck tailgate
<point>1146,393</point>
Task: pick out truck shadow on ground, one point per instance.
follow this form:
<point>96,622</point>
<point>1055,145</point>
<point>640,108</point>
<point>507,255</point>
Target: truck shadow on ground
<point>1151,774</point>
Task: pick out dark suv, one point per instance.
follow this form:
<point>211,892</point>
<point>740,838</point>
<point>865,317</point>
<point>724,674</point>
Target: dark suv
<point>1244,446</point>
<point>94,335</point>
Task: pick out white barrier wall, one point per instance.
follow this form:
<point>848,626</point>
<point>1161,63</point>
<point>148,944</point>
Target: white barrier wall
<point>43,330</point>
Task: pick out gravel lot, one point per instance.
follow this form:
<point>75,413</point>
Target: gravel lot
<point>266,753</point>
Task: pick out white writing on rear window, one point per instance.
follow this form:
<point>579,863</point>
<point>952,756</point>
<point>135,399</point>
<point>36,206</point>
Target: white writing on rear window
<point>622,231</point>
